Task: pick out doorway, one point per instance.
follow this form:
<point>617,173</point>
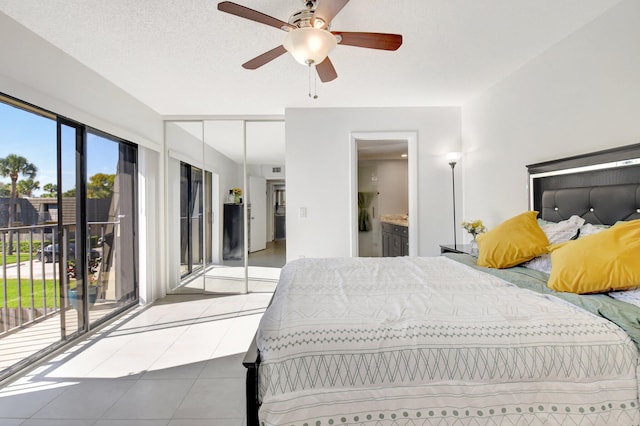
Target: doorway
<point>383,196</point>
<point>381,163</point>
<point>267,251</point>
<point>272,252</point>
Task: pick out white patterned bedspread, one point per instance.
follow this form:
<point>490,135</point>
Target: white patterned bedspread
<point>429,341</point>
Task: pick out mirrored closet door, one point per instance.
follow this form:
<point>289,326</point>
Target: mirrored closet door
<point>267,203</point>
<point>225,205</point>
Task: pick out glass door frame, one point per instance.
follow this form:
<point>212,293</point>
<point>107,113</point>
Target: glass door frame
<point>79,142</point>
<point>80,225</point>
<point>82,246</point>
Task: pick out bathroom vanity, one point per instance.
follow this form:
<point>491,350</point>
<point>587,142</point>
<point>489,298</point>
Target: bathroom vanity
<point>395,235</point>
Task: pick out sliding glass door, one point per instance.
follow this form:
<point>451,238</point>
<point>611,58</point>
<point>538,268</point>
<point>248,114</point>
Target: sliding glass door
<point>68,245</point>
<point>70,237</point>
<point>111,255</point>
<point>96,225</point>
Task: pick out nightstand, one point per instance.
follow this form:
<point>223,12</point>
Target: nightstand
<point>459,248</point>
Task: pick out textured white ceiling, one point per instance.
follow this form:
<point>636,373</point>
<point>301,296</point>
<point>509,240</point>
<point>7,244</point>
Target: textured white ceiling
<point>183,57</point>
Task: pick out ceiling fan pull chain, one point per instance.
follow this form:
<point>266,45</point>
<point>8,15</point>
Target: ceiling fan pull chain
<point>315,89</point>
<point>309,68</point>
<point>315,85</point>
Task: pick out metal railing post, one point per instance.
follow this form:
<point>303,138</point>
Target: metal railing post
<point>56,306</point>
<point>31,286</point>
<point>5,303</point>
<point>42,269</point>
<point>19,284</point>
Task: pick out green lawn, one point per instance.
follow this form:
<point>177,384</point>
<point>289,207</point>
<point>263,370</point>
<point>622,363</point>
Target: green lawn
<point>11,258</point>
<point>12,293</point>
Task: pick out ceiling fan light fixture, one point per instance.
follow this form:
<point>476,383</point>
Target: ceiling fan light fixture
<point>319,23</point>
<point>309,45</point>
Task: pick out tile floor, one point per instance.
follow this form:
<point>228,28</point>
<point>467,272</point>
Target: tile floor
<point>25,342</point>
<point>175,363</point>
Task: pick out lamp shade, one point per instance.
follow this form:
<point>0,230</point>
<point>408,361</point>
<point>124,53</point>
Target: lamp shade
<point>453,157</point>
<point>309,45</point>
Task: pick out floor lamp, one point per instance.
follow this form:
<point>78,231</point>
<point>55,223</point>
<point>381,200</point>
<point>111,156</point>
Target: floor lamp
<point>453,158</point>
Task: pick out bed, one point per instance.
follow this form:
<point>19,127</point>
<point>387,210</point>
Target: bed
<point>452,343</point>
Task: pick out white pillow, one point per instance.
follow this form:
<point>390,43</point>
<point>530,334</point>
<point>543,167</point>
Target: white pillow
<point>630,296</point>
<point>589,229</point>
<point>562,231</point>
<point>556,232</point>
<point>540,263</point>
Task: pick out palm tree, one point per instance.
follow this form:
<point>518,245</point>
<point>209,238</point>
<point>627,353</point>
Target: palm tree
<point>50,190</point>
<point>13,166</point>
<point>5,190</point>
<point>27,186</point>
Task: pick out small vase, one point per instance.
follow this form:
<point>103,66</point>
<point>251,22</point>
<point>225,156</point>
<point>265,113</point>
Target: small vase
<point>237,198</point>
<point>474,242</point>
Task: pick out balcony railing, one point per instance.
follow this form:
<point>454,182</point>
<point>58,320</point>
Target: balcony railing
<point>23,281</point>
<point>30,277</point>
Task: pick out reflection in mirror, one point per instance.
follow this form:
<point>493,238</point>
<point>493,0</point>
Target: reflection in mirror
<point>258,170</point>
<point>226,208</point>
<point>186,201</point>
<point>265,176</point>
<point>267,242</point>
<point>191,219</point>
<point>223,154</point>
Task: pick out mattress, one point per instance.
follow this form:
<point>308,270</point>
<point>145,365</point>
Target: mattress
<point>431,341</point>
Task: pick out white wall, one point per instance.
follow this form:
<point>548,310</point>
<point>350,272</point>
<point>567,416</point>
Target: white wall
<point>318,174</point>
<point>266,171</point>
<point>151,237</point>
<point>581,95</point>
<point>34,71</point>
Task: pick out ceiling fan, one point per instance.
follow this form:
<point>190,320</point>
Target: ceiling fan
<point>308,37</point>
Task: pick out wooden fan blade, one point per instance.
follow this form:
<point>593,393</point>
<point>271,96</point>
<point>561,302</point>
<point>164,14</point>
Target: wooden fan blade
<point>327,10</point>
<point>252,15</point>
<point>260,60</point>
<point>326,71</point>
<point>370,40</point>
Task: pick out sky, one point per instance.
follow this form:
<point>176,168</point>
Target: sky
<point>34,137</point>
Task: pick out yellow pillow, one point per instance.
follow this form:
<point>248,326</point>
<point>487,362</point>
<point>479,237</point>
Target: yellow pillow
<point>608,260</point>
<point>514,241</point>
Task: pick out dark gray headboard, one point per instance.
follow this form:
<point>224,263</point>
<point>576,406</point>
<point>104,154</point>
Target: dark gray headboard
<point>602,187</point>
<point>599,205</point>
